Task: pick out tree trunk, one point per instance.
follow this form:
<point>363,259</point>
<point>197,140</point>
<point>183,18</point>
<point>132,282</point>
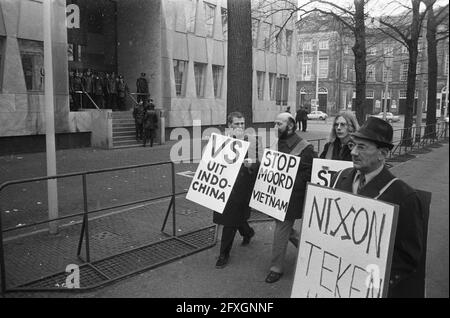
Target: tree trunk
<point>239,75</point>
<point>430,129</point>
<point>359,50</point>
<point>411,81</point>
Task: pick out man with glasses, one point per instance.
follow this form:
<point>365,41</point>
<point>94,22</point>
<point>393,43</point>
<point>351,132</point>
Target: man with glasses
<point>369,177</point>
<point>291,143</point>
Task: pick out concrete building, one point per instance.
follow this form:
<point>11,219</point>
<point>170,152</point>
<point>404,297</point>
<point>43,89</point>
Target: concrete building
<point>320,39</point>
<point>181,45</point>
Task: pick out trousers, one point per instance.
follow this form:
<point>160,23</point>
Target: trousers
<point>284,230</point>
<point>228,233</point>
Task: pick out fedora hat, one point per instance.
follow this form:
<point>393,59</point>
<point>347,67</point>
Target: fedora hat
<point>376,130</point>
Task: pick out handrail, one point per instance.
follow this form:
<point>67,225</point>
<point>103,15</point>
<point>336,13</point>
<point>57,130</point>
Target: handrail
<point>90,98</point>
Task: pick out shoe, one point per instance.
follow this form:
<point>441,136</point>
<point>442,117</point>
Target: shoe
<point>222,261</point>
<point>294,241</point>
<point>247,239</point>
<point>273,277</point>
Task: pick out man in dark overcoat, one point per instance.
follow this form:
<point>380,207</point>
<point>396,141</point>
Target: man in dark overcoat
<point>237,211</point>
<point>369,177</point>
<point>142,88</point>
<point>150,123</point>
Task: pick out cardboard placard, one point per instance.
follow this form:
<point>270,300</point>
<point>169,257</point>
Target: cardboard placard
<point>346,245</point>
<point>217,172</point>
<point>324,169</point>
<point>274,183</point>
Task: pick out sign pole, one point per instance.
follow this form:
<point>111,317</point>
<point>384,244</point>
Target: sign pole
<point>52,189</point>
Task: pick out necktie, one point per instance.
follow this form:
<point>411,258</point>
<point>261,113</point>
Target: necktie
<point>362,182</point>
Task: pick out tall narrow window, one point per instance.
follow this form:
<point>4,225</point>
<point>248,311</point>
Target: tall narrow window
<point>387,72</point>
<point>32,55</point>
<point>307,46</point>
<point>306,68</point>
<point>370,73</point>
<point>446,64</point>
<point>289,42</point>
<point>323,67</point>
<point>278,39</point>
<point>255,25</point>
<point>191,16</point>
<point>323,45</point>
<point>345,72</point>
<point>260,84</point>
<point>224,23</point>
<point>272,83</point>
<point>179,69</point>
<point>404,71</point>
<point>218,80</point>
<point>210,11</point>
<point>199,72</point>
<point>282,90</point>
<point>264,43</point>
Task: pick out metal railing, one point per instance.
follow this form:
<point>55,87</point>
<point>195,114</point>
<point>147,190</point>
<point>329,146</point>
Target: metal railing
<point>84,233</point>
<point>90,98</point>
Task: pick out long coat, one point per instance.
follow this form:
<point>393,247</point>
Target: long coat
<point>237,210</point>
<point>408,245</point>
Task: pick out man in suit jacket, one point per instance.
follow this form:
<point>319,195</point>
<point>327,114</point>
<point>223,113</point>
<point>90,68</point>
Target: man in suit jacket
<point>370,145</point>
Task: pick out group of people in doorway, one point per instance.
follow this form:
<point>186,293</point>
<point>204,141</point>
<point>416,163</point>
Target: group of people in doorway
<point>368,147</point>
<point>103,90</point>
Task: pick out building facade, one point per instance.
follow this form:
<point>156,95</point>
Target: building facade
<point>325,42</point>
<point>181,45</point>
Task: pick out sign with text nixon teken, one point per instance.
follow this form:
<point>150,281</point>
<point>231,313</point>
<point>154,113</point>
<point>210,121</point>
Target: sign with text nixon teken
<point>217,172</point>
<point>324,169</point>
<point>346,245</point>
<point>274,183</point>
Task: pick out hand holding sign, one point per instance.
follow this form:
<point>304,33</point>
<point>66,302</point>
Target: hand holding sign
<point>217,172</point>
<point>324,169</point>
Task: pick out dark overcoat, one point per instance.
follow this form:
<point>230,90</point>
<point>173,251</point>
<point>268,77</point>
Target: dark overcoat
<point>339,151</point>
<point>408,245</point>
<point>237,210</point>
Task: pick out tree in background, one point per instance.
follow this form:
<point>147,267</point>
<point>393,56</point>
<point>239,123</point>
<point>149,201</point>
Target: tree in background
<point>239,74</point>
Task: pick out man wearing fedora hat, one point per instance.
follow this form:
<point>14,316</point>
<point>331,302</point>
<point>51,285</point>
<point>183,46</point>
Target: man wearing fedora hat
<point>369,177</point>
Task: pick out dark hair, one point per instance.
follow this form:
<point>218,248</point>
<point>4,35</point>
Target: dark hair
<point>234,115</point>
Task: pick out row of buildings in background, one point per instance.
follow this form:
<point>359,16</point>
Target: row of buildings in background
<point>182,47</point>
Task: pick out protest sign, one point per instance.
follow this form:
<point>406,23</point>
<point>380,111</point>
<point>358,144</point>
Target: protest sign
<point>217,172</point>
<point>324,169</point>
<point>274,183</point>
<point>346,245</point>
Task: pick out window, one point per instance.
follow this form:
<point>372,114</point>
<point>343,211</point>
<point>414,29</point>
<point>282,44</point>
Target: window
<point>224,23</point>
<point>346,49</point>
<point>199,73</point>
<point>255,25</point>
<point>418,68</point>
<point>345,71</point>
<point>404,71</point>
<point>370,93</point>
<point>404,50</point>
<point>372,51</point>
<point>210,11</point>
<point>264,38</point>
<point>180,70</point>
<point>307,68</point>
<point>32,55</point>
<point>282,90</point>
<point>323,45</point>
<point>307,46</point>
<point>446,65</point>
<point>370,73</point>
<point>383,94</point>
<point>402,94</point>
<point>289,42</point>
<point>388,71</point>
<point>260,84</point>
<point>323,67</point>
<point>272,83</point>
<point>388,51</point>
<point>218,80</point>
<point>191,15</point>
<point>279,39</point>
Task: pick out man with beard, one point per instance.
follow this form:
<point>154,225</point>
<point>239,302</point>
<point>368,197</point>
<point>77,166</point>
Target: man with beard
<point>291,143</point>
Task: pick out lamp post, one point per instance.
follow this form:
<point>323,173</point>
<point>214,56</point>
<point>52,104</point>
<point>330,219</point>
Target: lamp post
<point>387,64</point>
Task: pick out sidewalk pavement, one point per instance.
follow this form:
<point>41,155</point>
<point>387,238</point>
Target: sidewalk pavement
<point>196,276</point>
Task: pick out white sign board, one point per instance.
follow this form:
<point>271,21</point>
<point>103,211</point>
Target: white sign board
<point>274,183</point>
<point>217,172</point>
<point>324,169</point>
<point>346,245</point>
